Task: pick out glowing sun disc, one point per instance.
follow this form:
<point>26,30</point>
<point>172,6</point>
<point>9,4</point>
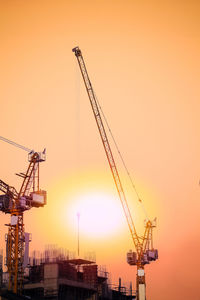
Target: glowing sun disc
<point>99,214</point>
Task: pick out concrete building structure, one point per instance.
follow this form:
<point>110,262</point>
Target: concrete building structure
<point>56,275</point>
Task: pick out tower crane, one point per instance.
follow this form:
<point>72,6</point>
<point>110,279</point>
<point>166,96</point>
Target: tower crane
<point>15,203</point>
<point>144,251</point>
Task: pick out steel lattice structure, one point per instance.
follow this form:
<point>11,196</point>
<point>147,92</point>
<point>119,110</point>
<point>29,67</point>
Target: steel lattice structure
<point>15,203</point>
<point>144,243</point>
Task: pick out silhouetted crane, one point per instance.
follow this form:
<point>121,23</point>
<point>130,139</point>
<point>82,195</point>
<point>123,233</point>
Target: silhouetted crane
<point>145,253</point>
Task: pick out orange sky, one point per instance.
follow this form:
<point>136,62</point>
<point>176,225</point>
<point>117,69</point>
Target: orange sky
<point>143,60</point>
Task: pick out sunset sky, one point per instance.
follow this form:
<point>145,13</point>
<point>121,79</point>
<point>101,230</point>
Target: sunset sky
<point>143,61</point>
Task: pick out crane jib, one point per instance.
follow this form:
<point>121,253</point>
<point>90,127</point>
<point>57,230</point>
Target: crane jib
<point>107,148</point>
<point>145,253</point>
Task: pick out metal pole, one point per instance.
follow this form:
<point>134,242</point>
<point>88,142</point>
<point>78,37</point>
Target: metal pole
<point>78,216</point>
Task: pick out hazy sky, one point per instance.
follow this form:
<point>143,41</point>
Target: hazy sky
<point>143,60</point>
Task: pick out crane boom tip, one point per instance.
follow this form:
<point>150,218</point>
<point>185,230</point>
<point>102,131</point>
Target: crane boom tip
<point>77,51</point>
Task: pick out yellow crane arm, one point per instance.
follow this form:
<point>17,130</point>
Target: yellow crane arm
<point>111,161</point>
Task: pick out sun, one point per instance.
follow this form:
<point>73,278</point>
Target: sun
<point>99,214</point>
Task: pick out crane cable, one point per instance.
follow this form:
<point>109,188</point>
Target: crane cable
<point>122,159</point>
<point>15,144</point>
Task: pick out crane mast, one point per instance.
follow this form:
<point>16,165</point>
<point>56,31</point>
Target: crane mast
<point>16,234</point>
<point>142,244</point>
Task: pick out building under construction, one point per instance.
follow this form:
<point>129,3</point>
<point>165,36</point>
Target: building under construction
<point>56,274</point>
